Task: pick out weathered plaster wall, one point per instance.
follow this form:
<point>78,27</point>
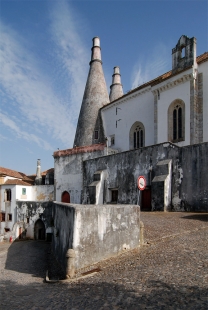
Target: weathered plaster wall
<point>94,232</point>
<point>27,213</point>
<point>63,217</point>
<point>69,174</point>
<point>43,192</point>
<point>123,170</point>
<point>194,185</point>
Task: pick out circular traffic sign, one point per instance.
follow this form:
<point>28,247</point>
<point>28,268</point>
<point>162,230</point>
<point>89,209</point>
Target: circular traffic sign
<point>141,183</point>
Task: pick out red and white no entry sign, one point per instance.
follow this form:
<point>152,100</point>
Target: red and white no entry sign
<point>141,183</point>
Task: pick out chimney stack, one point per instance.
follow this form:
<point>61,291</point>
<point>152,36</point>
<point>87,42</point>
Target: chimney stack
<point>116,89</point>
<point>89,127</point>
<point>38,179</point>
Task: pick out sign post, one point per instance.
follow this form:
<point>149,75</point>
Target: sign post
<point>141,186</point>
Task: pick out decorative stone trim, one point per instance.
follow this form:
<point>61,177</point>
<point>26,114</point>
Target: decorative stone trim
<point>168,85</point>
<point>155,117</point>
<point>126,98</point>
<point>196,109</point>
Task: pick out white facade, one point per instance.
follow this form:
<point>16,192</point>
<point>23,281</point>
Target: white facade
<point>8,209</point>
<point>119,117</point>
<point>149,106</point>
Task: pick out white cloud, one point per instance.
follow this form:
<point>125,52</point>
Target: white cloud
<point>28,93</point>
<point>8,122</point>
<point>151,65</point>
<point>70,51</point>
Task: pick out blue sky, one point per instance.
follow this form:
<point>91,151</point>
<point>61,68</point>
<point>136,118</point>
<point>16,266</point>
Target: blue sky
<point>45,51</point>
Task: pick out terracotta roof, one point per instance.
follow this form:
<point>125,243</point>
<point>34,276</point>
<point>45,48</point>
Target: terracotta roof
<point>202,58</point>
<point>161,78</point>
<point>80,149</point>
<point>51,170</point>
<point>16,182</point>
<point>11,173</point>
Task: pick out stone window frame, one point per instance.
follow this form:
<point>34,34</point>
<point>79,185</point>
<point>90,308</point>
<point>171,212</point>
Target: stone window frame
<point>176,105</point>
<point>137,127</point>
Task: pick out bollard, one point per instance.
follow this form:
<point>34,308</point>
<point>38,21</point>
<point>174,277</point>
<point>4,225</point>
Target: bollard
<point>70,264</point>
<point>141,233</point>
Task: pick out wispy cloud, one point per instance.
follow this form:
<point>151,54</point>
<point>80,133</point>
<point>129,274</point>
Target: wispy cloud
<point>19,133</point>
<point>70,51</point>
<point>151,65</point>
<point>28,93</point>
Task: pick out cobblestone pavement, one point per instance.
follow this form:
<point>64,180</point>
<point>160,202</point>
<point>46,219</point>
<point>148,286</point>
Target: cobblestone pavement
<point>169,272</point>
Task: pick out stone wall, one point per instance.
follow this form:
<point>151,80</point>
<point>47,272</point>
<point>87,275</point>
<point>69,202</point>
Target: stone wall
<point>188,177</point>
<point>93,232</point>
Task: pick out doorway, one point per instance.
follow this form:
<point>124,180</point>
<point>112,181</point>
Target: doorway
<point>146,200</point>
<point>114,196</point>
<point>65,197</point>
<point>39,230</point>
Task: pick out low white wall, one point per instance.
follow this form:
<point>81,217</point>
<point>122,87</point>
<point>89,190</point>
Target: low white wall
<point>94,232</point>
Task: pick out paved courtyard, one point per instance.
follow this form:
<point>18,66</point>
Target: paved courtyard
<point>169,272</point>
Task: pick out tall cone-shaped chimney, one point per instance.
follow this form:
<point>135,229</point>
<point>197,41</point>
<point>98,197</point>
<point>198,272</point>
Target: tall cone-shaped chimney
<point>89,127</point>
<point>116,89</point>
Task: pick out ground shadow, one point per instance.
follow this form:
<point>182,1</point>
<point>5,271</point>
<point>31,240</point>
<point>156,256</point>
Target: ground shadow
<point>199,217</point>
<point>102,295</point>
<point>28,257</point>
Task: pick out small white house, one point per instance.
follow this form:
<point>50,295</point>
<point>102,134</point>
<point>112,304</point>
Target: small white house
<point>16,186</point>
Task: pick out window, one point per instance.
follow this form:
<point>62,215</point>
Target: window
<point>9,217</point>
<point>183,52</point>
<point>137,136</point>
<point>8,195</point>
<point>112,140</point>
<point>2,216</point>
<point>176,121</point>
<point>96,134</point>
<point>23,191</point>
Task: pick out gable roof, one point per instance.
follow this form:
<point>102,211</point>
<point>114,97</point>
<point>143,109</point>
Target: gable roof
<point>11,173</point>
<point>200,59</point>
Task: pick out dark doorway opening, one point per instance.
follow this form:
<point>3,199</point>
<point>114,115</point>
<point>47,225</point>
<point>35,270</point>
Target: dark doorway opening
<point>114,197</point>
<point>146,200</point>
<point>65,197</point>
<point>39,231</point>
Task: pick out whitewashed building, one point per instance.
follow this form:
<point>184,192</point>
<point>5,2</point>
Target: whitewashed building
<point>162,118</point>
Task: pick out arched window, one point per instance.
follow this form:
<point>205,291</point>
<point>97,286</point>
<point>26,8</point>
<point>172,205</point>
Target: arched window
<point>137,136</point>
<point>176,121</point>
<point>65,197</point>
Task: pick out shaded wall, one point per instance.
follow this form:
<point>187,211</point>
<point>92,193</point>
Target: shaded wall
<point>188,176</point>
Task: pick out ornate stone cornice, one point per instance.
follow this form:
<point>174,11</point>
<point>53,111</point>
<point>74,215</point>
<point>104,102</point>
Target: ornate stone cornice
<point>171,84</point>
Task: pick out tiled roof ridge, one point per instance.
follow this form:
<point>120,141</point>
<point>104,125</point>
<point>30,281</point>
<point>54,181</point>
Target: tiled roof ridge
<point>199,59</point>
<point>16,182</point>
<point>12,173</point>
<point>80,149</point>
